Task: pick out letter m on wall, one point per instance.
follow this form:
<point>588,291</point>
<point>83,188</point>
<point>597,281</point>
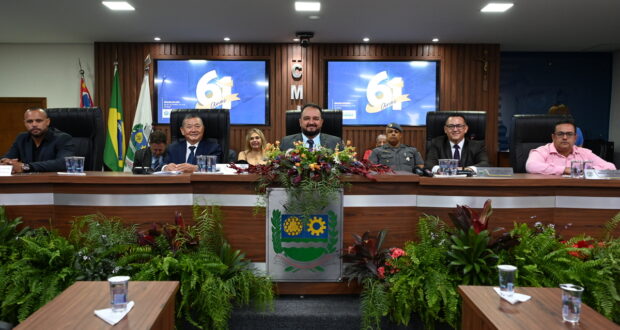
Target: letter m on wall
<point>297,92</point>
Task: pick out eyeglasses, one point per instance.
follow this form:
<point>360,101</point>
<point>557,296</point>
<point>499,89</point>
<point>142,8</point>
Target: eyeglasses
<point>567,134</point>
<point>459,126</point>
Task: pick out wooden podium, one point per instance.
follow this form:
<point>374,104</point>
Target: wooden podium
<point>75,307</point>
<point>483,309</point>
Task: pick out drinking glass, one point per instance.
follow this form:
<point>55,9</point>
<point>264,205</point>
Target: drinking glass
<point>78,164</point>
<point>119,286</point>
<point>454,166</point>
<point>211,163</point>
<point>571,302</point>
<point>576,169</point>
<point>201,160</point>
<point>507,279</point>
<point>444,166</point>
<point>70,164</point>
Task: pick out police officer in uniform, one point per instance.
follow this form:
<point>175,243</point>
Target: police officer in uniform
<point>400,157</point>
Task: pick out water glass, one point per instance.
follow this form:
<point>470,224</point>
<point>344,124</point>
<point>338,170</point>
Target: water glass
<point>571,302</point>
<point>201,161</point>
<point>119,286</point>
<point>507,279</point>
<point>454,166</point>
<point>70,164</point>
<point>587,165</point>
<point>576,169</point>
<point>211,163</point>
<point>444,166</point>
<point>78,164</point>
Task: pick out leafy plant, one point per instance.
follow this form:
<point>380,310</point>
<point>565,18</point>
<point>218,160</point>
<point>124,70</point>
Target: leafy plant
<point>312,178</point>
<point>41,268</point>
<point>471,257</point>
<point>365,256</point>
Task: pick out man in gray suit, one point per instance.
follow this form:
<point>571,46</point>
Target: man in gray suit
<point>453,145</point>
<point>311,121</point>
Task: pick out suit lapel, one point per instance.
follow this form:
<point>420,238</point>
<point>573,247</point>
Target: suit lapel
<point>447,151</point>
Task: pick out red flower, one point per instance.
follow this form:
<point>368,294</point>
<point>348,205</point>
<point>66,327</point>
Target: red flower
<point>396,252</point>
<point>381,272</point>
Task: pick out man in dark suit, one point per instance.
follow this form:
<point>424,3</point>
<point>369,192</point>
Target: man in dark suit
<point>41,149</point>
<point>154,155</point>
<point>453,145</point>
<point>311,121</point>
<point>182,154</point>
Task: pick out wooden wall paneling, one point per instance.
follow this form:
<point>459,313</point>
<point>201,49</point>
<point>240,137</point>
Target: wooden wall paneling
<point>462,83</point>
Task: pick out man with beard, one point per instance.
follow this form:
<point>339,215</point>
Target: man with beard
<point>400,157</point>
<point>311,121</point>
<point>153,156</point>
<point>555,157</point>
<point>41,149</point>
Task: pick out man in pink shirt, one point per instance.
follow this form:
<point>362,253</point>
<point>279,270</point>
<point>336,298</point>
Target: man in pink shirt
<point>554,158</point>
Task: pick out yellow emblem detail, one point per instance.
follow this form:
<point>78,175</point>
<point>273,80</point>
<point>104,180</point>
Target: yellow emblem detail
<point>316,226</point>
<point>293,226</point>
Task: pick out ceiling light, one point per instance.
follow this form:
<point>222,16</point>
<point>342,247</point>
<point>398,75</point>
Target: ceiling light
<point>296,39</point>
<point>157,39</point>
<point>494,7</point>
<point>226,39</point>
<point>307,6</point>
<point>118,5</point>
<point>366,39</point>
<point>314,17</point>
<point>435,40</point>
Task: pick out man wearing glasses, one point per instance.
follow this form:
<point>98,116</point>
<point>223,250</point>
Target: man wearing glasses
<point>453,145</point>
<point>554,158</point>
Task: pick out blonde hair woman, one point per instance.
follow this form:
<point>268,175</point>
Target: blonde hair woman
<point>254,152</point>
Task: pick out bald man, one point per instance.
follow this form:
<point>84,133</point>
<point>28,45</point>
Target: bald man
<point>40,149</point>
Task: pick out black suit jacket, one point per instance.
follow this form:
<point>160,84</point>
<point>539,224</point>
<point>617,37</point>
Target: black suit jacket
<point>474,152</point>
<point>327,141</point>
<point>55,147</point>
<point>177,150</point>
<point>144,157</point>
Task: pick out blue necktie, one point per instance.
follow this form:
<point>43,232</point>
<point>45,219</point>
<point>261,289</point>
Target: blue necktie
<point>310,144</point>
<point>457,154</point>
<point>192,156</point>
<point>156,164</point>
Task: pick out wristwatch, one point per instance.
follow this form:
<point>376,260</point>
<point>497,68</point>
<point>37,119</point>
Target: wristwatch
<point>25,168</point>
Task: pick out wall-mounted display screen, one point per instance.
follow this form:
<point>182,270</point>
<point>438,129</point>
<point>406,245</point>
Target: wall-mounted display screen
<point>381,92</point>
<point>241,86</point>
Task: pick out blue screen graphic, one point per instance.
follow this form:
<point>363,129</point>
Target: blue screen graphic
<point>241,86</point>
<point>378,93</point>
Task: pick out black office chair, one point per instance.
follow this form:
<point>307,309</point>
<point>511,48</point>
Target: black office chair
<point>530,132</point>
<point>332,122</point>
<point>435,121</point>
<point>86,127</point>
<point>217,125</point>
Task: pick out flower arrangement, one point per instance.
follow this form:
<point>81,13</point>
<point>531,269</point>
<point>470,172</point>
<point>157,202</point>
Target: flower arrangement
<point>312,178</point>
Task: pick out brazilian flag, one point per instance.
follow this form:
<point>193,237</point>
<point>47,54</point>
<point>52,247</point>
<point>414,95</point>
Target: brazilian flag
<point>114,151</point>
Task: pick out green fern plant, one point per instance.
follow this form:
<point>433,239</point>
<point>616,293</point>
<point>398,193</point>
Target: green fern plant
<point>42,269</point>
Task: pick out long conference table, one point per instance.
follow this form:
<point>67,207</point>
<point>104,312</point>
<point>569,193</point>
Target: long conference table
<point>392,201</point>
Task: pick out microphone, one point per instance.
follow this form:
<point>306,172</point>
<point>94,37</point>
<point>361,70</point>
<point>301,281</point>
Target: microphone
<point>423,172</point>
<point>142,169</point>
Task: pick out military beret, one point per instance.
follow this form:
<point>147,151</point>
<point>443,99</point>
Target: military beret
<point>395,126</point>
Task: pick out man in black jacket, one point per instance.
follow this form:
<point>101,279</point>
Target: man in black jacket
<point>453,145</point>
<point>153,156</point>
<point>40,149</point>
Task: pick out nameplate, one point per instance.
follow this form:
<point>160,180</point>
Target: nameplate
<point>602,174</point>
<point>5,170</point>
<point>495,171</point>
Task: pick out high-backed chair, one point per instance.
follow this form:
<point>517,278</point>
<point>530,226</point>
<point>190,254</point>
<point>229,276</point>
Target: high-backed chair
<point>435,121</point>
<point>332,122</point>
<point>217,125</point>
<point>530,132</point>
<point>86,127</point>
